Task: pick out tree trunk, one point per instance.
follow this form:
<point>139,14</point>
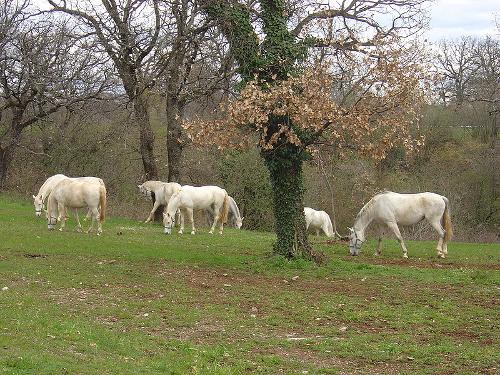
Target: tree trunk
<point>5,158</point>
<point>285,170</point>
<point>174,138</point>
<point>146,138</point>
<point>8,144</point>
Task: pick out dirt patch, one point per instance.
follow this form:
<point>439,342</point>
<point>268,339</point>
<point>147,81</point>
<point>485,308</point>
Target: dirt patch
<point>410,263</point>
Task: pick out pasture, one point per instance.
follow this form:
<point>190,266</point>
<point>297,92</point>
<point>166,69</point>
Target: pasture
<point>136,301</point>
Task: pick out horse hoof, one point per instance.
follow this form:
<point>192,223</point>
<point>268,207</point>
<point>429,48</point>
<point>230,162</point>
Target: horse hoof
<point>193,232</point>
<point>376,254</point>
<point>211,232</point>
<point>220,232</point>
<point>180,232</point>
<point>60,229</point>
<point>405,256</point>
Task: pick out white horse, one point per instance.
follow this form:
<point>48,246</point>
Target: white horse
<point>77,193</point>
<point>190,198</point>
<point>44,191</point>
<point>392,209</point>
<point>162,192</point>
<point>317,220</point>
<point>48,186</point>
<point>234,217</point>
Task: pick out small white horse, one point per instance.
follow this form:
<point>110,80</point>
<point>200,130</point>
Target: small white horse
<point>162,192</point>
<point>77,193</point>
<point>48,186</point>
<point>317,220</point>
<point>234,217</point>
<point>190,198</point>
<point>391,209</point>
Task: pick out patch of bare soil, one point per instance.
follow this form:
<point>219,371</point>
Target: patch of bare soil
<point>329,360</point>
<point>411,263</point>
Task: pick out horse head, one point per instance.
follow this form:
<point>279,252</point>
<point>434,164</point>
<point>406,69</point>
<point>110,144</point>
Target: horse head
<point>356,240</point>
<point>38,203</point>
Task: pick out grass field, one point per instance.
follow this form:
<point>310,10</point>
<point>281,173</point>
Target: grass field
<point>136,301</point>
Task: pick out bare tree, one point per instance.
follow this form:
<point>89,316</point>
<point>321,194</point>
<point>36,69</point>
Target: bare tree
<point>457,63</point>
<point>43,69</point>
<point>127,32</point>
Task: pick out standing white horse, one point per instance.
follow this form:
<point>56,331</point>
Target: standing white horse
<point>77,193</point>
<point>391,209</point>
<point>48,186</point>
<point>234,217</point>
<point>317,220</point>
<point>162,192</point>
<point>190,198</point>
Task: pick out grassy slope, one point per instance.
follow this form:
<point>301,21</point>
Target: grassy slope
<point>138,301</point>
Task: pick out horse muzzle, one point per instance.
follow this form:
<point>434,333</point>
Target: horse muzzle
<point>167,230</point>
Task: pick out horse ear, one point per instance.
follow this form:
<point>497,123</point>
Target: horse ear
<point>34,197</point>
<point>242,218</point>
<point>350,229</point>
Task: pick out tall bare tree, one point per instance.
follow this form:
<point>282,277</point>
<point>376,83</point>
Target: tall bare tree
<point>43,69</point>
<point>127,32</point>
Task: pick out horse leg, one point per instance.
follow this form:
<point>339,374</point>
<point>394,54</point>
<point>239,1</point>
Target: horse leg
<point>221,226</point>
<point>395,229</point>
<point>181,222</point>
<point>216,219</point>
<point>442,248</point>
<point>94,217</point>
<point>78,225</point>
<point>99,222</point>
<point>155,206</point>
<point>190,214</point>
<point>62,214</point>
<point>379,244</point>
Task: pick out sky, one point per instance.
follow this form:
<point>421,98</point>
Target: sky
<point>449,18</point>
<point>454,18</point>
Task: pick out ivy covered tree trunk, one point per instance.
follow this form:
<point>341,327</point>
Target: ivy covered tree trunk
<point>272,62</point>
<point>285,171</point>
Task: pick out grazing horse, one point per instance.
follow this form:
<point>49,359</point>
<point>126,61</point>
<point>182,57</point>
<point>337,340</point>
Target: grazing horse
<point>190,198</point>
<point>44,191</point>
<point>162,192</point>
<point>48,186</point>
<point>77,193</point>
<point>391,209</point>
<point>234,217</point>
<point>317,220</point>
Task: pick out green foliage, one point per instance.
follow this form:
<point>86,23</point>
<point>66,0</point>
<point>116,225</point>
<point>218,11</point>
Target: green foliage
<point>244,176</point>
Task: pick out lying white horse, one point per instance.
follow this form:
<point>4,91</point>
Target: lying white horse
<point>162,192</point>
<point>46,189</point>
<point>234,217</point>
<point>406,209</point>
<point>190,198</point>
<point>317,220</point>
<point>77,193</point>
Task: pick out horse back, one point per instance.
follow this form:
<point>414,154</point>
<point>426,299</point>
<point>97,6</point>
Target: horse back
<point>407,209</point>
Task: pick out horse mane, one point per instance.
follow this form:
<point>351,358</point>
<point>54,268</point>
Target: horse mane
<point>368,206</point>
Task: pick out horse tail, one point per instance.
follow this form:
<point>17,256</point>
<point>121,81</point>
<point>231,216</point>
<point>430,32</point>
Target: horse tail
<point>102,203</point>
<point>225,208</point>
<point>330,226</point>
<point>446,221</point>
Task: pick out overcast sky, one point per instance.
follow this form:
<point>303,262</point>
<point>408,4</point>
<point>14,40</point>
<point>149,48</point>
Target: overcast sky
<point>454,18</point>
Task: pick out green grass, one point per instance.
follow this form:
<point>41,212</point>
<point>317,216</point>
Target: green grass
<point>136,301</point>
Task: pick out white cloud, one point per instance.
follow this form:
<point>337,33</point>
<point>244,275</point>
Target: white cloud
<point>455,18</point>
